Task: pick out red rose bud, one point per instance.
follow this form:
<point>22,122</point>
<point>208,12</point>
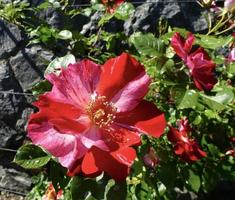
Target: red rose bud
<point>150,159</point>
<point>182,46</point>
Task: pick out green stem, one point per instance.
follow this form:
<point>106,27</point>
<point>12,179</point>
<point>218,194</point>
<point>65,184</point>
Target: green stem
<point>217,26</point>
<point>229,28</point>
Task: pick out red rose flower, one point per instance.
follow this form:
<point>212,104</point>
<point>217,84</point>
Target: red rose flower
<point>199,63</point>
<point>181,46</point>
<point>94,114</point>
<point>202,69</point>
<point>187,149</point>
<point>112,5</point>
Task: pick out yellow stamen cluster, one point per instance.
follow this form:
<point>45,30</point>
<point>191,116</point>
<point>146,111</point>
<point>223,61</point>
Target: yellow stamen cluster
<point>101,112</point>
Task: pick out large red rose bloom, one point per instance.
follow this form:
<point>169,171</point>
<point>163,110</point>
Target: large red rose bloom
<point>94,115</point>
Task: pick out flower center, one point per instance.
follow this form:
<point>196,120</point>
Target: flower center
<point>101,112</point>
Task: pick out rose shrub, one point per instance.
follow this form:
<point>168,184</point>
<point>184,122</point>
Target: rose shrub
<point>144,116</point>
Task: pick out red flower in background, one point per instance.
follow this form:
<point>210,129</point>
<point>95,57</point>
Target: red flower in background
<point>187,148</point>
<point>150,158</point>
<point>231,152</point>
<point>199,63</point>
<point>112,5</point>
<point>202,69</point>
<point>181,46</point>
<point>94,114</point>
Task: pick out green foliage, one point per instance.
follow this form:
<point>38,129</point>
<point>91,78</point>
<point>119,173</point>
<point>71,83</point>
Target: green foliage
<point>58,63</point>
<point>13,11</point>
<point>124,11</point>
<point>41,88</point>
<point>147,44</point>
<point>31,157</point>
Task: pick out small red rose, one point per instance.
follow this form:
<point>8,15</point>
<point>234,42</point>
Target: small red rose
<point>201,67</point>
<point>186,148</point>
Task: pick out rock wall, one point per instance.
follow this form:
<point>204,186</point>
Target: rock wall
<point>22,66</point>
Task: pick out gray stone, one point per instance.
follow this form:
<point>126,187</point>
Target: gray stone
<point>9,137</point>
<point>11,38</point>
<point>29,65</point>
<point>53,17</point>
<point>22,122</point>
<point>10,104</point>
<point>12,179</point>
<point>91,26</point>
<point>195,16</point>
<point>178,14</point>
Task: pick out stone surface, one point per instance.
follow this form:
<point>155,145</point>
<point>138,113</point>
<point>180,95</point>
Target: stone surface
<point>12,179</point>
<point>91,26</point>
<point>10,104</point>
<point>9,196</point>
<point>176,13</point>
<point>9,137</point>
<point>32,60</point>
<point>11,38</point>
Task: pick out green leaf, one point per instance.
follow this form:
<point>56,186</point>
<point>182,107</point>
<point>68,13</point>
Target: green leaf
<point>212,114</point>
<point>194,181</point>
<point>231,68</point>
<point>177,93</point>
<point>41,87</point>
<point>57,175</point>
<point>31,157</point>
<point>65,35</point>
<point>143,191</point>
<point>167,174</point>
<point>161,188</point>
<point>109,185</point>
<point>97,188</point>
<point>212,42</point>
<point>213,150</point>
<point>105,19</point>
<point>57,63</point>
<point>124,11</point>
<point>219,101</point>
<point>147,44</point>
<point>190,100</point>
<point>117,191</point>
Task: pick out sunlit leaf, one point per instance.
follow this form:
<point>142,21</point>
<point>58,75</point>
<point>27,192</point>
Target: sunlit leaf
<point>31,157</point>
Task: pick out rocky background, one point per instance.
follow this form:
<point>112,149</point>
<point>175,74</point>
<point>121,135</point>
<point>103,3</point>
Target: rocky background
<point>22,65</point>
